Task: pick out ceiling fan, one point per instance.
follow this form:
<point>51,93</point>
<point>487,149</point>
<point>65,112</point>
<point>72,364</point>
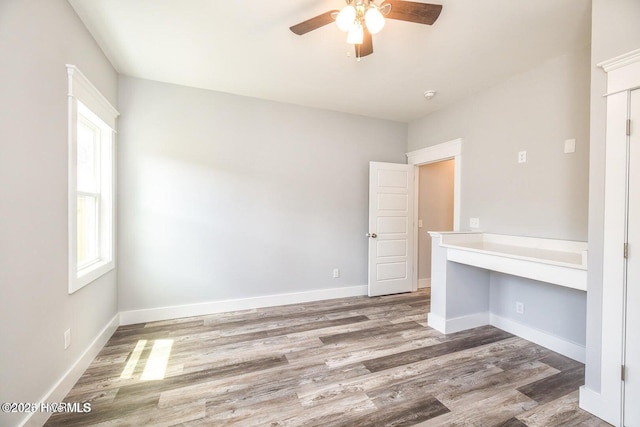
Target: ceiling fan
<point>362,18</point>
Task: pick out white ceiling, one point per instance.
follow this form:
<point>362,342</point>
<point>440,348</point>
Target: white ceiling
<point>245,47</point>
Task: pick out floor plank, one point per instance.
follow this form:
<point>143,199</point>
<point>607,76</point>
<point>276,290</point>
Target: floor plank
<point>345,362</point>
<point>555,386</point>
<point>563,411</point>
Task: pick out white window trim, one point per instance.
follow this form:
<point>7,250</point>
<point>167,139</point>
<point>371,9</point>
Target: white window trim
<point>81,90</point>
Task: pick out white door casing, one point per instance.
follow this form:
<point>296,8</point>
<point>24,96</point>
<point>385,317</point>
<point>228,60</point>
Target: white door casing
<point>632,337</point>
<point>607,399</point>
<point>450,150</point>
<point>391,236</point>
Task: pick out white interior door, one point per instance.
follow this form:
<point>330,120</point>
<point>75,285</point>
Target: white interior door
<point>632,339</point>
<point>391,211</point>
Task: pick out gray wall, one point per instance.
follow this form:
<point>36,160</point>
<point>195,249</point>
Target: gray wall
<point>546,197</point>
<point>435,208</point>
<point>535,112</point>
<point>555,309</point>
<point>614,31</point>
<point>37,39</point>
<point>226,197</point>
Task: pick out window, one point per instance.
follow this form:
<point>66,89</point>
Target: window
<point>91,182</point>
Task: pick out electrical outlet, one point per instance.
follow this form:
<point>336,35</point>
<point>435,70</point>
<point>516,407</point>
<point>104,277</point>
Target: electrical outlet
<point>336,273</point>
<point>474,222</point>
<point>67,338</point>
<point>522,157</point>
<point>519,307</point>
<point>419,223</point>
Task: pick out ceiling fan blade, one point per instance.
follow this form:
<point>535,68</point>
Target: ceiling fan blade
<point>366,48</point>
<point>314,23</point>
<point>421,13</point>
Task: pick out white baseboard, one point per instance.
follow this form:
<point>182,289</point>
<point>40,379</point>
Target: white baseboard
<point>68,380</point>
<point>436,322</point>
<point>457,324</point>
<point>424,283</point>
<point>594,403</point>
<point>552,342</point>
<point>188,310</point>
<point>545,339</point>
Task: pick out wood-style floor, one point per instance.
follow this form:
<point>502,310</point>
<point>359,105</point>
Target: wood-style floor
<point>345,362</point>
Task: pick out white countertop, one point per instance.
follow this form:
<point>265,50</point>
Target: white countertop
<point>567,259</point>
<point>560,262</point>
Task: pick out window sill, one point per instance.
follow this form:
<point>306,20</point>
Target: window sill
<point>89,274</point>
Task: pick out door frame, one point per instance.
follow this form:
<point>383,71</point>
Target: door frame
<point>450,150</point>
<point>623,75</point>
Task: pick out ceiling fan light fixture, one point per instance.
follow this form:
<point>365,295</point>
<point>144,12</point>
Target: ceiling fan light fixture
<point>362,18</point>
<point>374,20</point>
<point>346,18</point>
<point>356,34</point>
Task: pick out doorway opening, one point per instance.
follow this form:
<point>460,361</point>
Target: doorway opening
<point>435,210</point>
<point>437,195</point>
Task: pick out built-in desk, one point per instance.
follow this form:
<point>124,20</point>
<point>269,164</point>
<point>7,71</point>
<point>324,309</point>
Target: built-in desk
<point>460,272</point>
<point>560,262</point>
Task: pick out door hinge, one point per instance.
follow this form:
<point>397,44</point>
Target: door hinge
<point>622,372</point>
<point>628,127</point>
<point>626,250</point>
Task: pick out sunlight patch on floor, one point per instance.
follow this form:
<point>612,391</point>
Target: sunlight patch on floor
<point>127,372</point>
<point>156,366</point>
<point>158,360</point>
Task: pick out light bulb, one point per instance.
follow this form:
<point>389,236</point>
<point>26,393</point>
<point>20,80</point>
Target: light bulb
<point>346,17</point>
<point>374,20</point>
<point>356,34</point>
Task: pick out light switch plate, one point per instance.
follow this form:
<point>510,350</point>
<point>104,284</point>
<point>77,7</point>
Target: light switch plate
<point>569,146</point>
